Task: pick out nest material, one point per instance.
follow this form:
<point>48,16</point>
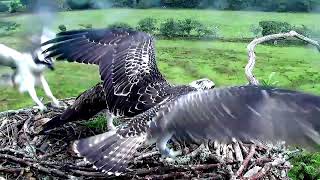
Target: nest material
<point>24,154</point>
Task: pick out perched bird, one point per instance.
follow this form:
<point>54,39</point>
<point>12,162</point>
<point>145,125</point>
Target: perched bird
<point>243,112</point>
<point>29,67</point>
<point>132,82</point>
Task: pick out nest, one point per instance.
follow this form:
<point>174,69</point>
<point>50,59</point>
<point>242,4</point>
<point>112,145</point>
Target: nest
<point>25,154</point>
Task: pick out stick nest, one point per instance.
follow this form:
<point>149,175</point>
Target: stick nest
<point>25,154</point>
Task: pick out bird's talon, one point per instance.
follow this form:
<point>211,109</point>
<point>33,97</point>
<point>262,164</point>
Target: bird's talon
<point>41,108</point>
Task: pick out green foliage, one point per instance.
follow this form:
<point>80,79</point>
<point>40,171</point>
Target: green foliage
<point>304,30</point>
<point>86,26</point>
<point>79,4</point>
<point>146,4</point>
<point>15,6</point>
<point>188,24</point>
<point>148,25</point>
<point>183,28</point>
<point>305,166</point>
<point>62,4</point>
<point>120,25</point>
<point>205,32</point>
<point>256,30</point>
<point>171,28</point>
<point>181,3</point>
<point>99,123</point>
<point>273,27</point>
<point>7,27</point>
<point>3,7</point>
<point>62,27</point>
<point>53,4</point>
<point>267,5</point>
<point>270,82</point>
<point>123,3</point>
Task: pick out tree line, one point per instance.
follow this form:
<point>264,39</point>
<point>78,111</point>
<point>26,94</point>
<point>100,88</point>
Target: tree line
<point>258,5</point>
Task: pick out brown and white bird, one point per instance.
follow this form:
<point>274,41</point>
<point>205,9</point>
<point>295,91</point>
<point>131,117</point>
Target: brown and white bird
<point>243,112</point>
<point>132,82</point>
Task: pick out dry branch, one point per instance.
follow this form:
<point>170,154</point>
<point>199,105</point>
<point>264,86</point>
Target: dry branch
<point>24,153</point>
<point>252,56</point>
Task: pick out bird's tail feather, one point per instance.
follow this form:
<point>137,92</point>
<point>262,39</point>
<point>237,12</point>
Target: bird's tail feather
<point>68,116</point>
<point>109,152</point>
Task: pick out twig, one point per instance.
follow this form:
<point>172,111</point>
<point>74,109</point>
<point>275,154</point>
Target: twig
<point>15,152</point>
<point>146,155</point>
<point>267,167</point>
<point>35,165</point>
<point>181,168</point>
<point>11,170</point>
<point>238,153</point>
<point>172,175</point>
<point>246,161</point>
<point>252,57</point>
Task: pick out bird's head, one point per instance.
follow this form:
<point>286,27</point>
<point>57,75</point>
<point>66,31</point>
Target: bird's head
<point>40,58</point>
<point>202,84</point>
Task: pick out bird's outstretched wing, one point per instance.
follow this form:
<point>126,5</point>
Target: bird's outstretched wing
<point>127,65</point>
<point>86,105</point>
<point>9,57</point>
<point>246,113</point>
<point>36,49</point>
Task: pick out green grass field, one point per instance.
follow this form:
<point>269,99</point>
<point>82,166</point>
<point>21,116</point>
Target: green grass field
<point>231,23</point>
<point>181,61</point>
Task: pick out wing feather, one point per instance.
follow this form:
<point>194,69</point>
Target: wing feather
<point>247,112</point>
<point>126,61</point>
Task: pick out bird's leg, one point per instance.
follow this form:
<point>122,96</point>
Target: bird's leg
<point>162,146</point>
<point>110,124</point>
<point>33,94</point>
<point>48,91</point>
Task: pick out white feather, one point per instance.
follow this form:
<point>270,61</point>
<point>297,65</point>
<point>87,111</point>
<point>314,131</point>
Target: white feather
<point>28,73</point>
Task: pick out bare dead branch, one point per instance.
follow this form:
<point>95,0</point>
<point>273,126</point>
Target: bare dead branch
<point>252,56</point>
<point>246,161</point>
<point>35,165</point>
<point>55,159</point>
<point>238,153</point>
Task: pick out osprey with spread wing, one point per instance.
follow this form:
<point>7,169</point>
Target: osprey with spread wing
<point>132,82</point>
<point>244,112</point>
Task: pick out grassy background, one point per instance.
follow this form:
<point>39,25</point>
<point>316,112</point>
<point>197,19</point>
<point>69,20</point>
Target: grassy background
<point>180,61</point>
<point>296,67</point>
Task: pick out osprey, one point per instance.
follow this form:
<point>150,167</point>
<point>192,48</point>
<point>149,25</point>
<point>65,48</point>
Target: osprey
<point>28,68</point>
<point>132,82</point>
<point>244,112</point>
